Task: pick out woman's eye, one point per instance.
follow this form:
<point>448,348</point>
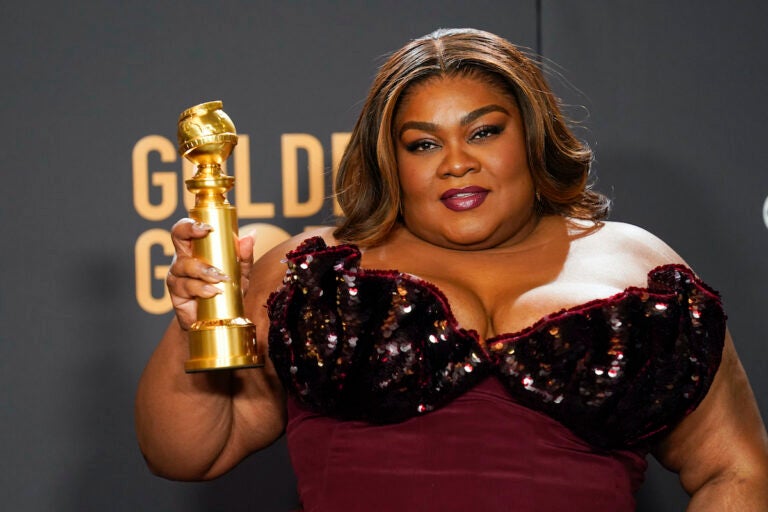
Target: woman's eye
<point>420,145</point>
<point>486,131</point>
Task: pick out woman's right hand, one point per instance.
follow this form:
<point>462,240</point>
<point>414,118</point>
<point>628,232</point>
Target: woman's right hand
<point>189,278</point>
<point>199,425</point>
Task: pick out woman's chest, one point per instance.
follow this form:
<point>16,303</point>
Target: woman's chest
<point>506,289</point>
<point>501,294</point>
<point>503,303</point>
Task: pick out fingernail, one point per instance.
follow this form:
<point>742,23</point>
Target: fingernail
<point>212,289</point>
<point>203,226</point>
<point>213,271</point>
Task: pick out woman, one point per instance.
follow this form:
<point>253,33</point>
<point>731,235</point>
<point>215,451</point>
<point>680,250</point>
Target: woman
<point>524,353</point>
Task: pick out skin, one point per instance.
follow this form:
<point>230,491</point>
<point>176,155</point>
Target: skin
<point>456,133</point>
<point>447,138</point>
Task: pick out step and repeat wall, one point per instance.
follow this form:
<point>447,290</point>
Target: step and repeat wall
<point>670,96</point>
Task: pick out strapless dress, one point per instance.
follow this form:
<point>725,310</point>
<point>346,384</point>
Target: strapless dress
<point>393,406</point>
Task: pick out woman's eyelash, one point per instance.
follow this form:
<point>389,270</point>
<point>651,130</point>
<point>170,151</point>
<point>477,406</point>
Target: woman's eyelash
<point>485,131</point>
<point>480,133</point>
<point>420,145</point>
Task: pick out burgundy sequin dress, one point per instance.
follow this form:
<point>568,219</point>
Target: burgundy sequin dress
<point>393,407</point>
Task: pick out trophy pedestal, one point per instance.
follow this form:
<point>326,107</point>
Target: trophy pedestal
<point>222,345</point>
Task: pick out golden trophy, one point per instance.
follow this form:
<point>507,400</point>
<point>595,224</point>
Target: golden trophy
<point>221,338</point>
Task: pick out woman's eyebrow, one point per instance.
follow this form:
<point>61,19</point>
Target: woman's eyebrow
<point>481,112</point>
<point>418,125</point>
<point>471,116</point>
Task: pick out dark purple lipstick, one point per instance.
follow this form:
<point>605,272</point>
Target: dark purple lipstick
<point>461,199</point>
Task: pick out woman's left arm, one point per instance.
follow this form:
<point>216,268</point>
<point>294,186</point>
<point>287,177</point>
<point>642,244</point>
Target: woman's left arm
<point>720,450</point>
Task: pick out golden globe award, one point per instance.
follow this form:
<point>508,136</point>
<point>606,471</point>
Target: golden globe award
<point>221,338</point>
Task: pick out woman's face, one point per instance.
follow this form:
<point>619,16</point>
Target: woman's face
<point>462,164</point>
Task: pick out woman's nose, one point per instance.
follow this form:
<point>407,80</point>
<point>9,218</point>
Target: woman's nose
<point>457,162</point>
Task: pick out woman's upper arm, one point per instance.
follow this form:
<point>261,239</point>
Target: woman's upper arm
<point>724,437</point>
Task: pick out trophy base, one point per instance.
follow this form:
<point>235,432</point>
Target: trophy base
<point>222,345</point>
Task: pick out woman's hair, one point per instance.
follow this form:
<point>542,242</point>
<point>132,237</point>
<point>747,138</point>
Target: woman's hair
<point>367,185</point>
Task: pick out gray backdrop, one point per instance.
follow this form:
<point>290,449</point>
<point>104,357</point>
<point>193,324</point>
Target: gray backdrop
<point>669,94</point>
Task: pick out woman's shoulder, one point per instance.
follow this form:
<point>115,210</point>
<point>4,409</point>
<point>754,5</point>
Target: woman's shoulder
<point>269,268</point>
<point>275,256</point>
<point>633,242</point>
<point>281,249</point>
<point>616,253</point>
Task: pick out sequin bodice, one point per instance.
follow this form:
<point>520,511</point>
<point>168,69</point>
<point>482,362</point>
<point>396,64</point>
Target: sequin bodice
<point>383,346</point>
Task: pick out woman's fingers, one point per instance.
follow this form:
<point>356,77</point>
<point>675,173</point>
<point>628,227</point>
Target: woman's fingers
<point>186,230</point>
<point>190,278</point>
<point>245,247</point>
<point>184,292</point>
<point>185,288</point>
<point>188,267</point>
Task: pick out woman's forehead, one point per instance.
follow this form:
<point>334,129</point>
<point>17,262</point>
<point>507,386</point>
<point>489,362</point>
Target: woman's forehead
<point>448,91</point>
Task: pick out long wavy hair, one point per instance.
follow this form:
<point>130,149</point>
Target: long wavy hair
<point>367,185</point>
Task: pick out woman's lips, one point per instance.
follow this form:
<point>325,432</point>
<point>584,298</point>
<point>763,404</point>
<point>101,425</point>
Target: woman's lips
<point>460,199</point>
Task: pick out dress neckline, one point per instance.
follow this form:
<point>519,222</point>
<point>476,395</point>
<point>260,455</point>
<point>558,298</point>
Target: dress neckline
<point>653,288</point>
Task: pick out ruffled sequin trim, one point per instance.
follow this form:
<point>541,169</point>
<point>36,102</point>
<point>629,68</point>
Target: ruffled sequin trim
<point>383,346</point>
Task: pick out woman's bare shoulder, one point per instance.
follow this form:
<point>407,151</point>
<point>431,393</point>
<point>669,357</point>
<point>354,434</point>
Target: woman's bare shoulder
<point>270,267</point>
<point>616,253</point>
<point>279,251</point>
<point>635,243</point>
